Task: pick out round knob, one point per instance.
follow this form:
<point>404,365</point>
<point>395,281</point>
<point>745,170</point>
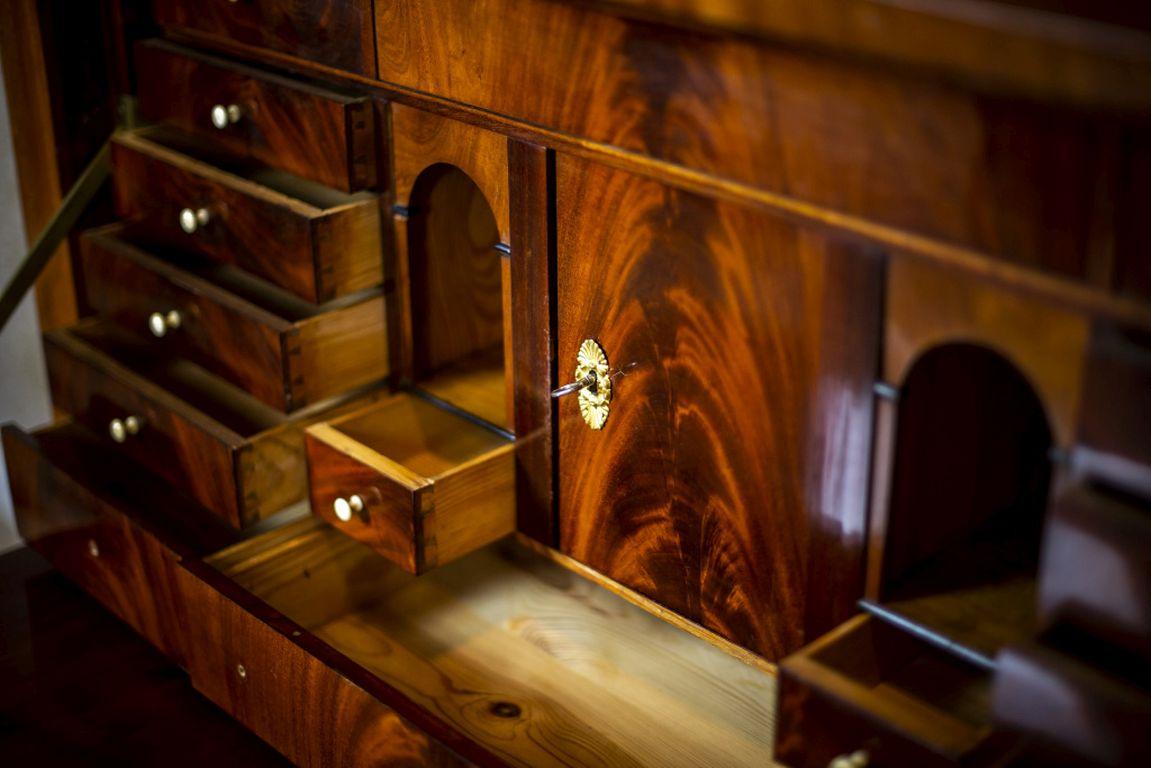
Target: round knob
<point>345,508</point>
<point>857,759</point>
<point>121,429</point>
<point>191,220</point>
<point>159,323</point>
<point>93,548</point>
<point>225,115</point>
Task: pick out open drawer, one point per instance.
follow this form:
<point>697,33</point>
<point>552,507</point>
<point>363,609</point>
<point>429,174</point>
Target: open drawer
<point>225,449</point>
<point>418,483</point>
<point>285,351</point>
<point>871,689</point>
<point>337,657</point>
<point>309,239</point>
<point>75,502</point>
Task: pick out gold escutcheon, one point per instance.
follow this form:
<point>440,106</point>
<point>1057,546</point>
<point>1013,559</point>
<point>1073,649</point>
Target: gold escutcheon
<point>594,399</point>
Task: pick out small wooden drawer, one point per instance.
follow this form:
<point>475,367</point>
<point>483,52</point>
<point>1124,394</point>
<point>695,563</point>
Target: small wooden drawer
<point>273,345</point>
<point>419,484</point>
<point>1096,568</point>
<point>304,129</point>
<point>333,32</point>
<point>872,688</point>
<point>314,241</point>
<point>225,449</point>
<point>500,657</point>
<point>1096,715</point>
<point>71,496</point>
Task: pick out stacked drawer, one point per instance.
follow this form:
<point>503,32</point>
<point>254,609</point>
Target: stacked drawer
<point>241,296</point>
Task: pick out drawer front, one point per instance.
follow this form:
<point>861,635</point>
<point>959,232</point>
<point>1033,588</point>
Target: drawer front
<point>275,678</point>
<point>185,450</point>
<point>316,254</point>
<point>299,128</point>
<point>332,32</point>
<point>391,521</point>
<point>86,537</point>
<point>129,287</point>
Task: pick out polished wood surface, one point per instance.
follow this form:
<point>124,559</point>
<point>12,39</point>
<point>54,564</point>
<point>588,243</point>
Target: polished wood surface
<point>704,490</point>
<point>231,453</point>
<point>311,240</point>
<point>328,31</point>
<point>891,149</point>
<point>68,493</point>
<point>594,681</point>
<point>434,485</point>
<point>276,347</point>
<point>109,700</point>
<point>298,127</point>
<point>531,172</point>
<point>1008,45</point>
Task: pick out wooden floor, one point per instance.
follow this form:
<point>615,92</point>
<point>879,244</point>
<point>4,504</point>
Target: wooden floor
<point>79,687</point>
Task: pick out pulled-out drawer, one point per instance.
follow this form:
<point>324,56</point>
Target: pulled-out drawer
<point>333,32</point>
<point>304,129</point>
<point>418,483</point>
<point>228,451</point>
<point>312,240</point>
<point>872,693</point>
<point>71,497</point>
<point>337,657</point>
<point>277,347</point>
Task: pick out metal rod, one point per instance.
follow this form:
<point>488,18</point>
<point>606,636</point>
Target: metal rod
<point>66,216</point>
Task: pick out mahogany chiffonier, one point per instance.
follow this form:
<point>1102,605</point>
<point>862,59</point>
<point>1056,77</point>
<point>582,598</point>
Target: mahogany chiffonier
<point>622,383</point>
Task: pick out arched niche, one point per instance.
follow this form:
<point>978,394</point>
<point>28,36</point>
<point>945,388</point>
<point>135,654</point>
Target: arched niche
<point>456,292</point>
<point>970,471</point>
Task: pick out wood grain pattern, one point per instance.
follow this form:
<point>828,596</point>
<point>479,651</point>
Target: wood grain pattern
<point>531,170</point>
<point>889,148</point>
<point>69,495</point>
<point>280,349</point>
<point>335,33</point>
<point>928,306</point>
<point>296,126</point>
<point>229,452</point>
<point>315,242</point>
<point>421,139</point>
<point>435,486</point>
<point>285,685</point>
<point>741,382</point>
<point>595,682</point>
<point>1009,46</point>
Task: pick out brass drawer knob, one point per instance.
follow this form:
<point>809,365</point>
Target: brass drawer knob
<point>224,115</point>
<point>857,759</point>
<point>193,219</point>
<point>592,382</point>
<point>345,508</point>
<point>121,429</point>
<point>159,323</point>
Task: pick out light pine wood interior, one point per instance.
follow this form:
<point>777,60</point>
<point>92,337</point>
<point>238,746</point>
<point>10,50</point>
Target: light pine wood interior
<point>421,436</point>
<point>575,670</point>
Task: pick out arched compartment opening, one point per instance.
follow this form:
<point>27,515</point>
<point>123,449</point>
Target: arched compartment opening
<point>457,293</point>
<point>968,495</point>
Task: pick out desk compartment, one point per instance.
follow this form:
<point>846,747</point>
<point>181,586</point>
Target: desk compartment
<point>311,240</point>
<point>282,350</point>
<point>304,129</point>
<point>420,484</point>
